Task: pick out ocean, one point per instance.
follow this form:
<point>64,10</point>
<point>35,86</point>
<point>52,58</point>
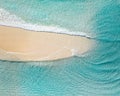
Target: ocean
<point>97,73</point>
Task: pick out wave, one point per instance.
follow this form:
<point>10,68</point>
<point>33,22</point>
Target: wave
<point>8,19</point>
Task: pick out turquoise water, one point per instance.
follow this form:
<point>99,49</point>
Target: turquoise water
<point>96,74</point>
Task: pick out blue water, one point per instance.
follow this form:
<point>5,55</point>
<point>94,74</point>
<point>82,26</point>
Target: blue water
<point>96,74</point>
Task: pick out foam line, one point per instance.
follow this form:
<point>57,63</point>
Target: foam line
<point>7,19</point>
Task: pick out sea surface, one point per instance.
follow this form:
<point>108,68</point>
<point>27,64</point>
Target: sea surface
<point>96,73</point>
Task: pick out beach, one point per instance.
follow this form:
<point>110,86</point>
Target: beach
<point>18,44</point>
<point>59,47</point>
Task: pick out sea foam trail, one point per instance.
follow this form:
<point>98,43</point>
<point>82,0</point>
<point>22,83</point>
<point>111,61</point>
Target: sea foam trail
<point>8,19</point>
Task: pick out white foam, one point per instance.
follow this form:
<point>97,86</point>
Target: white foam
<point>8,19</point>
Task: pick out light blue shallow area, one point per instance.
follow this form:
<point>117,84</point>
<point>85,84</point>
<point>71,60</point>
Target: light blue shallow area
<point>74,15</point>
<point>96,74</point>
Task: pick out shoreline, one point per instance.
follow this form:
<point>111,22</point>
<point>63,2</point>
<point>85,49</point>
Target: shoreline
<point>81,34</point>
<point>17,22</point>
<point>22,45</point>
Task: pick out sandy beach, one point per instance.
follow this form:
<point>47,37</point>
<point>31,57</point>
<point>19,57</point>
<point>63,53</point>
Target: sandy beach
<point>23,45</point>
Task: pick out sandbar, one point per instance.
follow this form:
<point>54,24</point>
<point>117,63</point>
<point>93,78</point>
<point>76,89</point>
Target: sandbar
<point>18,44</point>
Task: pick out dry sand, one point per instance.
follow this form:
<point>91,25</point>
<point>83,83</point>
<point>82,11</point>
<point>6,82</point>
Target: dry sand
<point>24,45</point>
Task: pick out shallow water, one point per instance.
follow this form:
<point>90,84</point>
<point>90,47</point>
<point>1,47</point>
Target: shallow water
<point>95,74</point>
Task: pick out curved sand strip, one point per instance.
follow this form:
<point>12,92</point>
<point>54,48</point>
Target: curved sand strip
<point>23,45</point>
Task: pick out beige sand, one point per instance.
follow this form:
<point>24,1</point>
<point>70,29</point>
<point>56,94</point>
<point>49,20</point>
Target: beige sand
<point>19,44</point>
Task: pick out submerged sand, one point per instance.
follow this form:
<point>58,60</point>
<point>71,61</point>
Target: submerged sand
<point>23,45</point>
